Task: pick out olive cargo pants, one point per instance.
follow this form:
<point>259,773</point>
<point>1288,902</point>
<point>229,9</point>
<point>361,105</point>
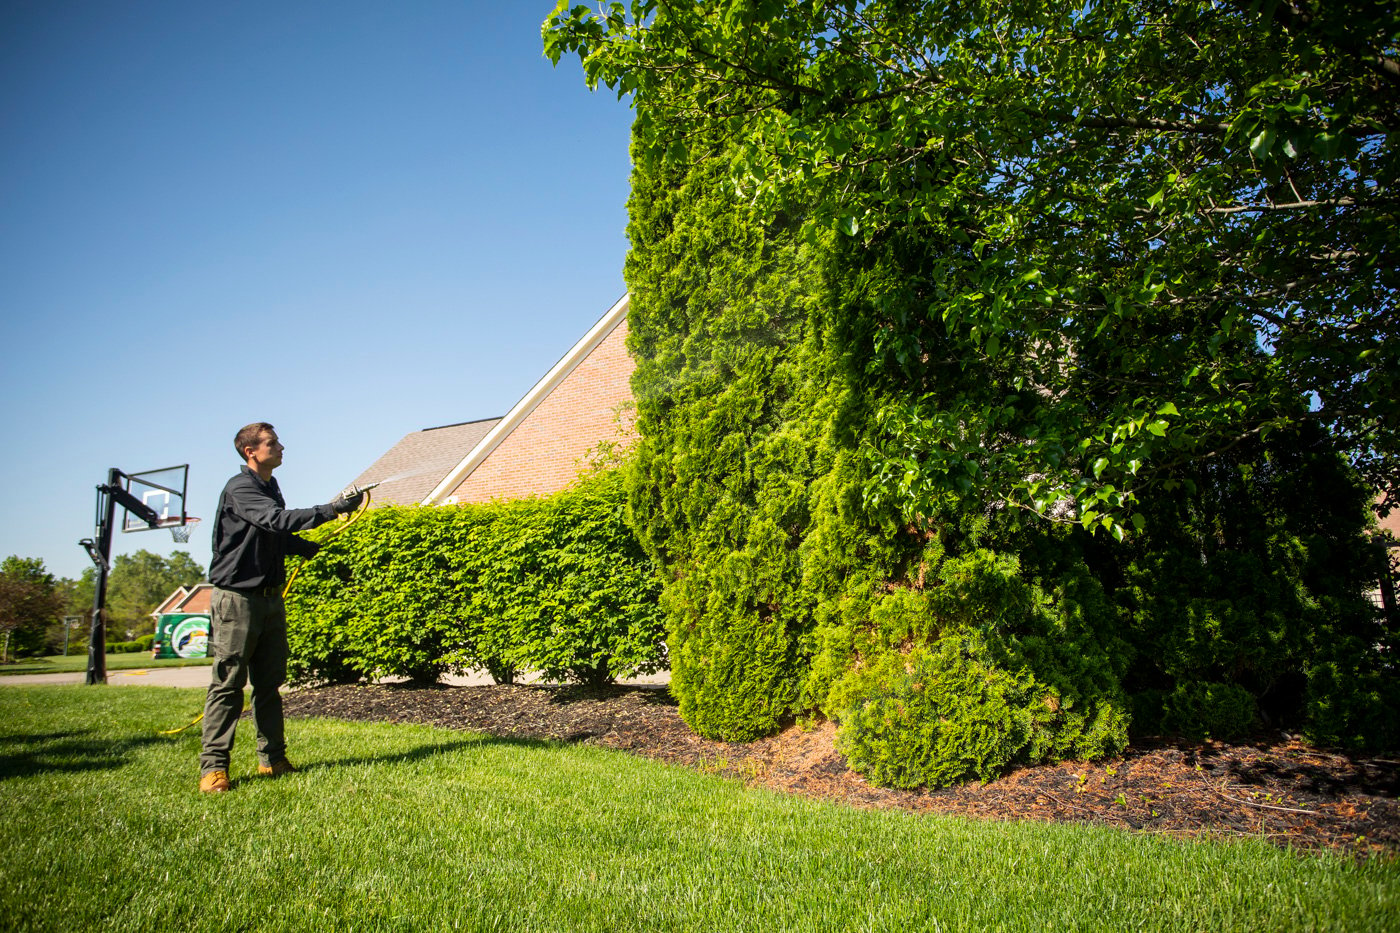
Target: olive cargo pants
<point>248,642</point>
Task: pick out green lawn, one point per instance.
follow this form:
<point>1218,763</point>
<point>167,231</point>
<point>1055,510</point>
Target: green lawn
<point>64,664</point>
<point>396,827</point>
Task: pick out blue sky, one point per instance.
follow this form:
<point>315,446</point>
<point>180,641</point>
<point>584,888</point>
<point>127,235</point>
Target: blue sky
<point>353,220</point>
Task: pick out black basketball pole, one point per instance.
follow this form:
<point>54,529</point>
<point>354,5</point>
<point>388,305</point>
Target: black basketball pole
<point>101,552</point>
<point>99,548</point>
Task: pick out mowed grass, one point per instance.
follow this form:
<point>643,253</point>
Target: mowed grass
<point>397,827</point>
<point>66,664</point>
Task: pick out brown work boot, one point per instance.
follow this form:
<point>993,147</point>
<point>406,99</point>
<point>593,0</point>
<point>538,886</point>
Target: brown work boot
<point>276,769</point>
<point>215,782</point>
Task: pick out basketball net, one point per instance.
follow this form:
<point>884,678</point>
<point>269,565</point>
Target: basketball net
<point>181,533</point>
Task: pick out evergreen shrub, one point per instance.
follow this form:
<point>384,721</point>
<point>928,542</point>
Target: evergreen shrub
<point>981,670</point>
<point>1200,709</point>
<point>1245,602</point>
<point>554,584</point>
<point>718,491</point>
<point>1353,693</point>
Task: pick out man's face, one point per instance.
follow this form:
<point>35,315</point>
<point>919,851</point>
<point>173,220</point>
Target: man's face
<point>268,453</point>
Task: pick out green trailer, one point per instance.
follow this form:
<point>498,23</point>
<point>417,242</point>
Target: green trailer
<point>182,635</point>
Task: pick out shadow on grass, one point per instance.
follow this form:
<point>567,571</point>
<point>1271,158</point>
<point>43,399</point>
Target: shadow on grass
<point>66,752</point>
<point>25,737</point>
<point>33,667</point>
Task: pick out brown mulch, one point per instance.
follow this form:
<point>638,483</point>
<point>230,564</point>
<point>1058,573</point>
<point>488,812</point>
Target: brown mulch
<point>1275,788</point>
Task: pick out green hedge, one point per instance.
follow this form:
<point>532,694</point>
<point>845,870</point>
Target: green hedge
<point>556,585</point>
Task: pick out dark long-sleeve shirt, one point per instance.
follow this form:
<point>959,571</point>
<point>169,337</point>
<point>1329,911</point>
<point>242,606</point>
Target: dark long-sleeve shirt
<point>253,533</point>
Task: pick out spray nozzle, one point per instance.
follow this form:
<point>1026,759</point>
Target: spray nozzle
<point>350,492</point>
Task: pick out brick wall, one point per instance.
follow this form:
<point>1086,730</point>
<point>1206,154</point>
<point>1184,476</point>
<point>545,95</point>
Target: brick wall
<point>1391,523</point>
<point>544,452</point>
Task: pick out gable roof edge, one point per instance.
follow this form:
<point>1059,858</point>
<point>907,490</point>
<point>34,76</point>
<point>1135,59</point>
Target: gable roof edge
<point>172,600</point>
<point>523,408</point>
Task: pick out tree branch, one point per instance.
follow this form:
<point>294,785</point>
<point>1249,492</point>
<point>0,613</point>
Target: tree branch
<point>1147,123</point>
<point>1294,206</point>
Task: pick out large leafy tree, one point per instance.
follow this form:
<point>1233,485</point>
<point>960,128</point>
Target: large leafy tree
<point>138,584</point>
<point>30,601</point>
<point>1132,235</point>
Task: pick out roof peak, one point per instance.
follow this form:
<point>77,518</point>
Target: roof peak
<point>459,424</point>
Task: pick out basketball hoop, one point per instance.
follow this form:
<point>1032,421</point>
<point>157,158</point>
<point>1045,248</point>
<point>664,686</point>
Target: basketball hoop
<point>181,533</point>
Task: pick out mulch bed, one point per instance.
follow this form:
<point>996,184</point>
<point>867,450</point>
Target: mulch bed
<point>1274,788</point>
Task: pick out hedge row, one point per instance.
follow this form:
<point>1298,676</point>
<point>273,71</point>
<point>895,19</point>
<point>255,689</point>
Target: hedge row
<point>555,585</point>
<point>142,643</point>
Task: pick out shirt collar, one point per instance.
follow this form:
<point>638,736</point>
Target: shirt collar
<point>270,484</point>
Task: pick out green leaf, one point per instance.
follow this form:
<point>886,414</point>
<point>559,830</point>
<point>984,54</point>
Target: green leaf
<point>1261,144</point>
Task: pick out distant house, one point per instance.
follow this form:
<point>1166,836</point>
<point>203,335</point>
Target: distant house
<point>535,448</point>
<point>186,600</point>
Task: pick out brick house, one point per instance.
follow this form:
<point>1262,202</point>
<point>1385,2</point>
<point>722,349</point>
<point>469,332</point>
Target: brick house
<point>186,599</point>
<point>535,448</point>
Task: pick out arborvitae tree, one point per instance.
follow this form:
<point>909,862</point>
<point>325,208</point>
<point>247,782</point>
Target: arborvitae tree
<point>719,488</point>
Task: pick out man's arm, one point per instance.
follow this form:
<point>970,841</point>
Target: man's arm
<point>260,510</point>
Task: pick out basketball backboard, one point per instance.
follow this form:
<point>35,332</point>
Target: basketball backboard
<point>163,492</point>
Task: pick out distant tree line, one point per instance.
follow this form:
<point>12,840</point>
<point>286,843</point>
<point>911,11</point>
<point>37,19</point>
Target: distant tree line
<point>34,603</point>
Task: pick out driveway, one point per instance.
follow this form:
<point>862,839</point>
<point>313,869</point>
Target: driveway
<point>195,676</point>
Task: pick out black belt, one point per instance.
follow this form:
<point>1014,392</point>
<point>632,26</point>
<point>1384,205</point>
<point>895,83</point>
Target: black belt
<point>254,590</point>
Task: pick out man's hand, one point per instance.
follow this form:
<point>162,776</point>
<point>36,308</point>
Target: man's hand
<point>349,500</point>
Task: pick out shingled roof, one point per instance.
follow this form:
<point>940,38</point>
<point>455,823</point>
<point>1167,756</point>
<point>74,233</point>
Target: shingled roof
<point>410,469</point>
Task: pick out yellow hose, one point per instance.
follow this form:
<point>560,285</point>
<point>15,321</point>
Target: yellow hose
<point>182,728</point>
<point>345,524</point>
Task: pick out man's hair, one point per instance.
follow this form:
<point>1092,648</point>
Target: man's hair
<point>248,436</point>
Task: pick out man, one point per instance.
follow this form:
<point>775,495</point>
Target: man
<point>253,533</point>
